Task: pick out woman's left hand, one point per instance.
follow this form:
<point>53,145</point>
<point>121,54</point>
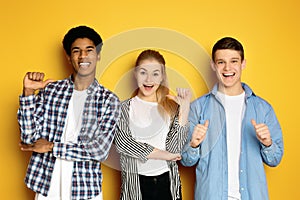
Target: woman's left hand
<point>183,99</point>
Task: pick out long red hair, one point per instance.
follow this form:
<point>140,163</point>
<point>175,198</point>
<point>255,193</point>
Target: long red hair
<point>168,106</point>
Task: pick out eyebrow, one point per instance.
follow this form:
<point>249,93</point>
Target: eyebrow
<point>88,47</point>
<point>142,68</point>
<point>157,70</point>
<point>234,58</point>
<point>219,60</point>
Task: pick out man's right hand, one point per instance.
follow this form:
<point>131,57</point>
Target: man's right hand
<point>34,81</point>
<point>199,134</point>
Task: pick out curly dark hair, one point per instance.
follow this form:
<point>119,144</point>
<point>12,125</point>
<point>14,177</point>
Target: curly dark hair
<point>81,32</point>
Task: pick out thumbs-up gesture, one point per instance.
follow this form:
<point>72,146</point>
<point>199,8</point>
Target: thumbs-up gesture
<point>262,133</point>
<point>34,81</point>
<point>199,134</point>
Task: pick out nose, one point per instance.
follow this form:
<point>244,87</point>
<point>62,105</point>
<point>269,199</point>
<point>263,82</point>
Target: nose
<point>226,66</point>
<point>149,78</point>
<point>83,54</point>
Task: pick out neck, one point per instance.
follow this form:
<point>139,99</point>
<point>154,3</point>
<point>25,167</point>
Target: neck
<point>152,98</point>
<point>82,83</point>
<point>231,91</point>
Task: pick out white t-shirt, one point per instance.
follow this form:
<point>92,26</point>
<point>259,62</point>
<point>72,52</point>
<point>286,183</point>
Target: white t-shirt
<point>234,109</point>
<point>61,180</point>
<point>149,126</point>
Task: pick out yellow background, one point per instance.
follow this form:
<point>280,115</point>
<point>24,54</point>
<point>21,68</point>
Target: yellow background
<point>31,34</point>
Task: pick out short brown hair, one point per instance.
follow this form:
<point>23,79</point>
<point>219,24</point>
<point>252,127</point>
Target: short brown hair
<point>228,43</point>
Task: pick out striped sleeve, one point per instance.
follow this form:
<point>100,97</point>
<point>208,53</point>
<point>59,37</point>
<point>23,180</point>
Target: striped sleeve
<point>177,136</point>
<point>124,141</point>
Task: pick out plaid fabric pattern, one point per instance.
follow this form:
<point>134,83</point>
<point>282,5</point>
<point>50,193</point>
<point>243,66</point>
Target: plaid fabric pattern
<point>44,116</point>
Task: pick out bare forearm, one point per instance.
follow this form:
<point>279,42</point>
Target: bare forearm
<point>163,155</point>
<point>183,116</point>
<point>40,146</point>
<point>28,92</point>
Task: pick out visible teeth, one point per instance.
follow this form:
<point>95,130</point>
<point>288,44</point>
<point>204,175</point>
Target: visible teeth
<point>229,74</point>
<point>148,85</point>
<point>84,64</point>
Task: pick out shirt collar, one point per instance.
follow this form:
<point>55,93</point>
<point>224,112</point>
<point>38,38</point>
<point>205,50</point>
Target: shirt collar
<point>91,89</point>
<point>247,89</point>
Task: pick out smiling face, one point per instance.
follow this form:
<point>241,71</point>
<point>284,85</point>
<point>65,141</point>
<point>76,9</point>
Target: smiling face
<point>228,66</point>
<point>84,58</point>
<point>149,76</point>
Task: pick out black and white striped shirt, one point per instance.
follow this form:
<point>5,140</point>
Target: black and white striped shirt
<point>131,151</point>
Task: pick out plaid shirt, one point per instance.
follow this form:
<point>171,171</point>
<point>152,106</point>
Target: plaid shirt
<point>44,116</point>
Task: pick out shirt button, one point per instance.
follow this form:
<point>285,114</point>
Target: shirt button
<point>241,171</point>
<point>242,189</point>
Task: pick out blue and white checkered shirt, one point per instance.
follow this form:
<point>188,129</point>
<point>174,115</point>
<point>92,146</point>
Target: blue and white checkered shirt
<point>44,116</point>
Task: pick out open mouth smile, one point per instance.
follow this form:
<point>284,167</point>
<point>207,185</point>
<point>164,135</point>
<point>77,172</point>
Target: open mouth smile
<point>148,87</point>
<point>84,64</point>
<point>228,74</point>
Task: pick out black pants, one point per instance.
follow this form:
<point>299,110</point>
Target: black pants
<point>155,187</point>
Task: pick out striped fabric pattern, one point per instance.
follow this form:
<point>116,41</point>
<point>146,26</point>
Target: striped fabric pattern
<point>44,116</point>
<point>131,151</point>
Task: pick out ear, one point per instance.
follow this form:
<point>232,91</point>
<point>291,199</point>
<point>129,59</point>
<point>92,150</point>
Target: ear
<point>212,65</point>
<point>69,59</point>
<point>98,57</point>
<point>244,64</point>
